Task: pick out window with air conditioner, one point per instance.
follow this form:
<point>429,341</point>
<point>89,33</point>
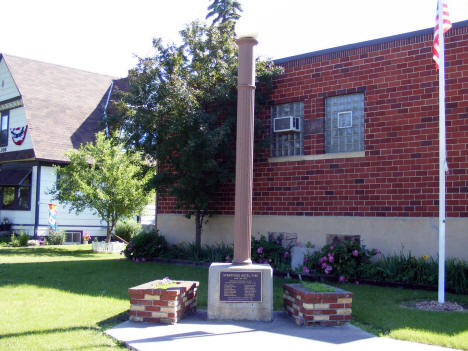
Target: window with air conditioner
<point>287,136</point>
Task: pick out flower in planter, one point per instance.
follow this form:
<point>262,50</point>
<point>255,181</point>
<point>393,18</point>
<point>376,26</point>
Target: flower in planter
<point>86,237</point>
<point>342,278</point>
<point>260,250</point>
<point>286,254</point>
<point>355,253</point>
<point>305,269</point>
<point>227,258</point>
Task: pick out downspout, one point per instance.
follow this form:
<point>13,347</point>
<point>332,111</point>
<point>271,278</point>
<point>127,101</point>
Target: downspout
<point>38,200</point>
<point>105,108</point>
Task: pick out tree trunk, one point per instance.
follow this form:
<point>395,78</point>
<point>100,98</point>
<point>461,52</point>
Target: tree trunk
<point>156,211</point>
<point>109,231</point>
<point>198,230</point>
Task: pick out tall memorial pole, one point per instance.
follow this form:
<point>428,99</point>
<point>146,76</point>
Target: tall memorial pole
<point>244,151</point>
<point>242,290</point>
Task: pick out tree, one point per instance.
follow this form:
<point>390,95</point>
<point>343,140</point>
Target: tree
<point>224,10</point>
<point>105,178</point>
<point>181,110</point>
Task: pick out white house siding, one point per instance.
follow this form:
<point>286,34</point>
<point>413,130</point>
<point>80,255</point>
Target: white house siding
<point>85,221</point>
<point>8,89</point>
<point>18,119</point>
<point>147,217</point>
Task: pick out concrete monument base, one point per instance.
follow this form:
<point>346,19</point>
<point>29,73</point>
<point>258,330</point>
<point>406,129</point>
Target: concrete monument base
<point>240,292</point>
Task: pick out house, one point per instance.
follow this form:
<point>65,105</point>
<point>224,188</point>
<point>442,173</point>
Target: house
<point>354,150</point>
<point>46,110</point>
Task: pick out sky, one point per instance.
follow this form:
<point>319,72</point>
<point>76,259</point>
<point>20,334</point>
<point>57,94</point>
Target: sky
<point>106,36</point>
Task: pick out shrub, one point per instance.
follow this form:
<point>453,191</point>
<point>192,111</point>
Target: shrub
<point>347,261</point>
<point>271,252</point>
<point>146,245</point>
<point>128,229</point>
<point>56,238</point>
<point>14,240</point>
<point>23,238</point>
<point>423,270</point>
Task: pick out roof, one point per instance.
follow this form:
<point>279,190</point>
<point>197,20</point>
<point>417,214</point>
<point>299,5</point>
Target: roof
<point>369,43</point>
<point>64,106</point>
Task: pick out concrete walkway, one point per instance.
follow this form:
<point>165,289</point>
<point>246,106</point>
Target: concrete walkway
<point>195,332</point>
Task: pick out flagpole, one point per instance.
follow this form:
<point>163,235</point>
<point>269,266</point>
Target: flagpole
<point>442,155</point>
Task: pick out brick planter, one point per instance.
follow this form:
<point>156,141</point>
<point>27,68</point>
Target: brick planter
<point>166,306</point>
<point>307,307</point>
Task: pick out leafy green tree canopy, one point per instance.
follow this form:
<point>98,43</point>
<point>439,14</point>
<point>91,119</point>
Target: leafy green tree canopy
<point>181,109</point>
<point>104,178</point>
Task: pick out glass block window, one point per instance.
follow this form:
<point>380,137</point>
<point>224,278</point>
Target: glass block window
<point>287,143</point>
<point>344,123</point>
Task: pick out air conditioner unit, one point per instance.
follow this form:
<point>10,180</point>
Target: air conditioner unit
<point>286,124</point>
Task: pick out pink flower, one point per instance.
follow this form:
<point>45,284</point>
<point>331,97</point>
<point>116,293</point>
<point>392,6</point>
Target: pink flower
<point>324,265</point>
<point>260,261</point>
<point>228,258</point>
<point>342,278</point>
<point>286,254</point>
<point>260,250</point>
<point>331,259</point>
<point>305,269</point>
<point>332,247</point>
<point>143,259</point>
<point>137,260</point>
<point>323,259</point>
<point>356,282</point>
<point>355,253</point>
<point>305,259</point>
<point>378,252</point>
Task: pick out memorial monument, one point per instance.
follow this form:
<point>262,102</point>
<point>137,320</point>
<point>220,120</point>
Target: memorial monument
<point>242,290</point>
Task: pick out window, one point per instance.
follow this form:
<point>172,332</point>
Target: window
<point>15,189</point>
<point>344,123</point>
<point>288,143</point>
<point>4,129</point>
<point>73,236</point>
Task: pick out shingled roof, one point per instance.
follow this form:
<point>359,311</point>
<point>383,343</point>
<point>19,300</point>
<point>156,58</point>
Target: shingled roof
<point>64,106</point>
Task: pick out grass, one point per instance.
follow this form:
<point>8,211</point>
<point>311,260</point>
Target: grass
<point>380,311</point>
<point>317,287</point>
<point>57,298</point>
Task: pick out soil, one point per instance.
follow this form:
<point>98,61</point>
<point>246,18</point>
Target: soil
<point>435,306</point>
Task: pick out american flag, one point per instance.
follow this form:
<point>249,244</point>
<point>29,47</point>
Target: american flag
<point>447,24</point>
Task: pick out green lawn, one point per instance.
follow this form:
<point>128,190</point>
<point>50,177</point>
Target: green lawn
<point>57,298</point>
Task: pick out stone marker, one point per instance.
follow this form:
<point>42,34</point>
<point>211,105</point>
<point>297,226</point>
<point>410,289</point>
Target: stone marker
<point>242,290</point>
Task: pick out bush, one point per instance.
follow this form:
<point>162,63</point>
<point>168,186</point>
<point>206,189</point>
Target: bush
<point>23,238</point>
<point>347,261</point>
<point>423,270</point>
<point>128,229</point>
<point>56,238</point>
<point>14,240</point>
<point>271,252</point>
<point>207,253</point>
<point>146,245</point>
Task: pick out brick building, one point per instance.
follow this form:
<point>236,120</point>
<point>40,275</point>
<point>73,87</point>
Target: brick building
<point>354,149</point>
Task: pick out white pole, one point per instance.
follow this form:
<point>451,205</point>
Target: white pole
<point>442,155</point>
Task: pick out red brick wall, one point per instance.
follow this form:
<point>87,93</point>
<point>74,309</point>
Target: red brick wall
<point>399,174</point>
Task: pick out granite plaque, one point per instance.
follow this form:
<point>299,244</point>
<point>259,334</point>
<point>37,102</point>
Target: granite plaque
<point>240,286</point>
